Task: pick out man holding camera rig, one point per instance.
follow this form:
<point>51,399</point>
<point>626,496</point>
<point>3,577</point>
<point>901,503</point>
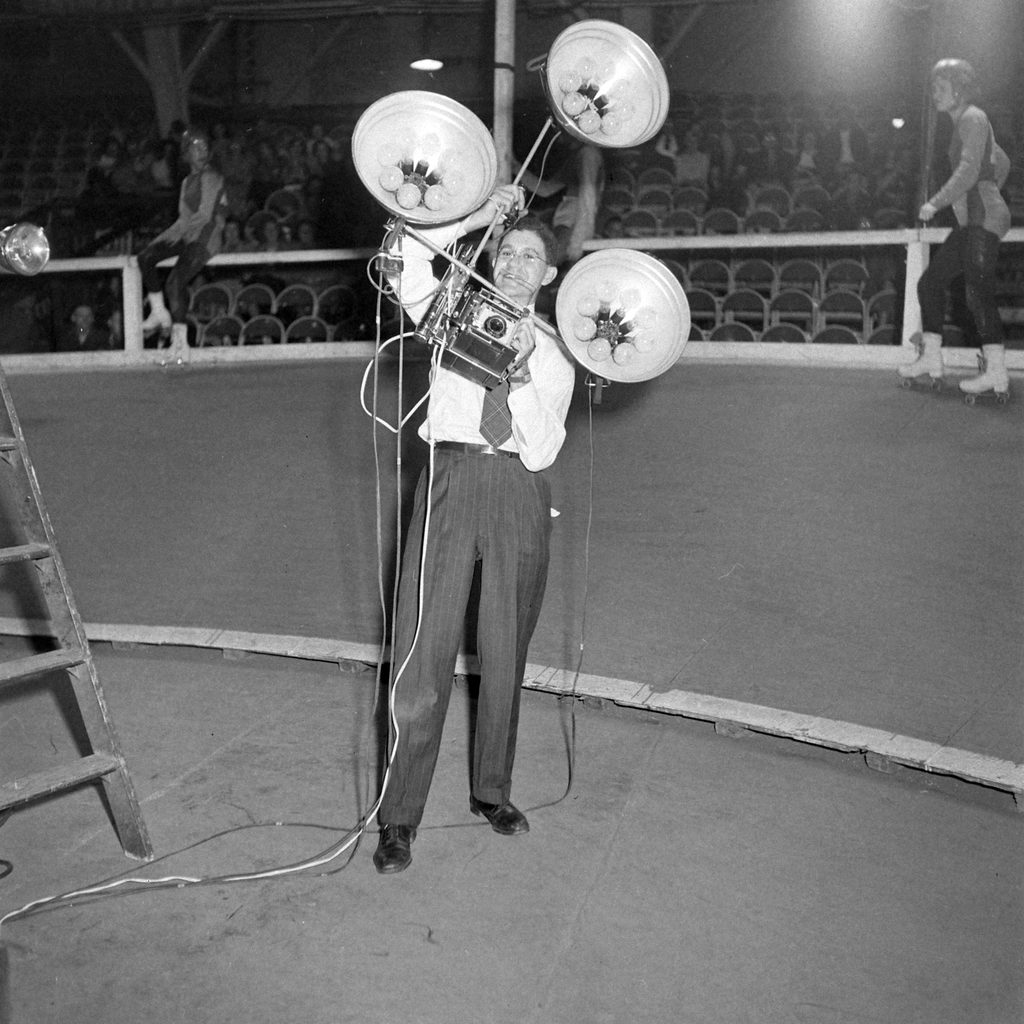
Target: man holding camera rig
<point>489,507</point>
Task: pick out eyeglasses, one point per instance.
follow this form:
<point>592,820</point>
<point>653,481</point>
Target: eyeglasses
<point>531,256</point>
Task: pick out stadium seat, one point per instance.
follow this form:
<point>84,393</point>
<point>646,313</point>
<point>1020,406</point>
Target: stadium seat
<point>209,301</point>
<point>640,224</point>
<point>254,300</point>
<point>844,308</point>
<point>788,334</point>
<point>746,306</point>
<point>721,221</point>
<point>848,274</point>
<point>804,219</point>
<point>703,308</point>
<point>801,274</point>
<point>732,331</point>
<point>835,335</point>
<point>221,330</point>
<point>294,301</point>
<point>655,176</point>
<point>690,197</point>
<point>712,275</point>
<point>883,336</point>
<point>791,306</point>
<point>308,329</point>
<point>762,222</point>
<point>264,329</point>
<point>338,307</point>
<point>757,274</point>
<point>680,222</point>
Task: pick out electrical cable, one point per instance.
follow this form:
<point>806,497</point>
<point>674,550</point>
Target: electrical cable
<point>121,885</point>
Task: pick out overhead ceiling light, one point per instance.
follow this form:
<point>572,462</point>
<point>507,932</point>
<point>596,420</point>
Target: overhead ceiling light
<point>427,64</point>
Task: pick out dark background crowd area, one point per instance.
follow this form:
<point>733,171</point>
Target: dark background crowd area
<point>721,165</point>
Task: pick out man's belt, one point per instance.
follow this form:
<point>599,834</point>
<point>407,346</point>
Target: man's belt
<point>473,449</point>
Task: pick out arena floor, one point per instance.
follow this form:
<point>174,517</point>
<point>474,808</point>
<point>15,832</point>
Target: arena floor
<point>794,542</point>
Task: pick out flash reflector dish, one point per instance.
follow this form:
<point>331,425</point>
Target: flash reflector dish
<point>605,85</point>
<point>623,315</point>
<point>424,156</point>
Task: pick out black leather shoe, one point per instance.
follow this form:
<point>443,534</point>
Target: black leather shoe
<point>394,853</point>
<point>505,818</point>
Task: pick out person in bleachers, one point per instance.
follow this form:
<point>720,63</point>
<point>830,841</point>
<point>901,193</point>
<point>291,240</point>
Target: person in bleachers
<point>237,168</point>
<point>82,333</point>
<point>770,164</point>
<point>809,165</point>
<point>266,174</point>
<point>844,146</point>
<point>193,238</point>
<point>233,239</point>
<point>691,164</point>
<point>852,203</point>
<point>979,168</point>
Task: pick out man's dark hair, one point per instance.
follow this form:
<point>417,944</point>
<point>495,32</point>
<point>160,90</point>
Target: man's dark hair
<point>531,222</point>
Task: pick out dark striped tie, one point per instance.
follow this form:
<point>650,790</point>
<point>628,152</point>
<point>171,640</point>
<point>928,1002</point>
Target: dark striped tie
<point>495,419</point>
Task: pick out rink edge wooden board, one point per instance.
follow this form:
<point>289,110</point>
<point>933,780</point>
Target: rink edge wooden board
<point>882,750</point>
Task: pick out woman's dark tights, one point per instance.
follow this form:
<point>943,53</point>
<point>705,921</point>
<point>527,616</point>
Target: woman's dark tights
<point>971,251</point>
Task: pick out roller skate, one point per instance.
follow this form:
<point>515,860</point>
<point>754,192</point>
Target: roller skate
<point>926,369</point>
<point>178,352</point>
<point>993,381</point>
<point>159,319</point>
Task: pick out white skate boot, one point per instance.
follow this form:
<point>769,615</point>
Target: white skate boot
<point>159,318</point>
<point>928,362</point>
<point>993,378</point>
<point>178,351</point>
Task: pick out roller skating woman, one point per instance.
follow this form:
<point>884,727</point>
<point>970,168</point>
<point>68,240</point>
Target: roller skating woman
<point>979,169</point>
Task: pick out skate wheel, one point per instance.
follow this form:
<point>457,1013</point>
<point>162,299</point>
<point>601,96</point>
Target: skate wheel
<point>936,384</point>
<point>1002,397</point>
<point>904,382</point>
<point>969,399</point>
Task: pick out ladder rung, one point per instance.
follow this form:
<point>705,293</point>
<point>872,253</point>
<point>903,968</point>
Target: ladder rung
<point>54,780</point>
<point>37,664</point>
<point>24,552</point>
<point>8,444</point>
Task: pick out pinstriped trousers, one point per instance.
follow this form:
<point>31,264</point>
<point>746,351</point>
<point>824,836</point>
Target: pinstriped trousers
<point>490,510</point>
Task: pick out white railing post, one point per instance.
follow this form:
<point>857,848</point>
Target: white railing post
<point>131,297</point>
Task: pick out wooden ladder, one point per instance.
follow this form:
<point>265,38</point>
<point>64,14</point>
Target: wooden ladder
<point>72,654</point>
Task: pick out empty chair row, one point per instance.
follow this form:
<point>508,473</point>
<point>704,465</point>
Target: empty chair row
<point>790,306</point>
<point>790,334</point>
<point>766,277</point>
<point>644,222</point>
<point>336,305</point>
<point>264,329</point>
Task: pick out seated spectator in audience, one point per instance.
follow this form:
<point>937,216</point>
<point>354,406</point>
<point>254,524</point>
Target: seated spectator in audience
<point>266,174</point>
<point>305,235</point>
<point>233,239</point>
<point>294,169</point>
<point>115,324</point>
<point>809,166</point>
<point>164,167</point>
<point>271,237</point>
<point>771,164</point>
<point>237,167</point>
<point>691,164</point>
<point>20,322</point>
<point>844,145</point>
<point>100,195</point>
<point>83,334</point>
<point>852,203</point>
<point>894,186</point>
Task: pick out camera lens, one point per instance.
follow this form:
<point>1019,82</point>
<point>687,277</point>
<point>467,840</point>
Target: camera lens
<point>494,326</point>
